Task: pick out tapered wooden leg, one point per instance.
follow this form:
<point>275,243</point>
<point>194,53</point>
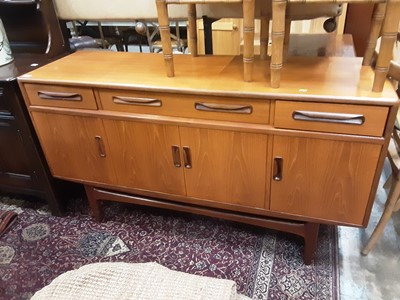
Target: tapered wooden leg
<point>389,35</point>
<point>377,19</point>
<point>264,35</point>
<point>248,37</point>
<point>390,206</point>
<point>94,204</point>
<point>192,29</point>
<point>163,22</point>
<point>278,33</point>
<point>310,241</point>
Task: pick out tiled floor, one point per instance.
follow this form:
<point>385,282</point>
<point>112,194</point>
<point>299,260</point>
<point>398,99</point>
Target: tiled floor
<point>376,276</point>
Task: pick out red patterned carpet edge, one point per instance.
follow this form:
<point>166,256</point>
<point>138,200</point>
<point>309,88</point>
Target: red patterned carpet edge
<point>265,264</point>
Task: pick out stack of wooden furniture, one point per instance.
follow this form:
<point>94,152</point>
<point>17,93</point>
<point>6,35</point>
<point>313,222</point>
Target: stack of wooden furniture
<point>385,23</point>
<point>248,7</point>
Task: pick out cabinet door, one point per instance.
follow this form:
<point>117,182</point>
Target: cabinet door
<point>143,155</point>
<point>75,147</point>
<point>323,179</point>
<point>225,166</point>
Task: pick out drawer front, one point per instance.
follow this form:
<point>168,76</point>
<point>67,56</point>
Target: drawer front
<point>190,106</point>
<point>61,96</point>
<point>328,117</point>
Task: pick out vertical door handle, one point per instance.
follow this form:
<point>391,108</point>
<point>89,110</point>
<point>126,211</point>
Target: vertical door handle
<point>187,160</point>
<point>100,146</point>
<point>278,166</point>
<point>176,156</point>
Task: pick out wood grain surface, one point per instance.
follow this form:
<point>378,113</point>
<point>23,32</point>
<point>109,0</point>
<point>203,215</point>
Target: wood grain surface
<point>338,79</point>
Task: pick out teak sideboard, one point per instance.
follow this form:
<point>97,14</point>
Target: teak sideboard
<point>207,142</point>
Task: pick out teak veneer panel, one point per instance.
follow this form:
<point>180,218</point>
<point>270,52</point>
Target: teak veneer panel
<point>328,180</point>
<point>226,166</point>
<point>61,96</point>
<point>70,146</point>
<point>142,155</point>
<point>374,117</point>
<point>180,105</point>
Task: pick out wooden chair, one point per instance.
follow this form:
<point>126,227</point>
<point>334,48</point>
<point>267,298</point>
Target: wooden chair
<point>295,11</point>
<point>393,200</point>
<point>385,22</point>
<point>248,31</point>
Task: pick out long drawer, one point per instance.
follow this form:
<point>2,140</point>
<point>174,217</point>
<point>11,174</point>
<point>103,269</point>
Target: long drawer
<point>329,117</point>
<point>190,106</point>
<point>61,96</point>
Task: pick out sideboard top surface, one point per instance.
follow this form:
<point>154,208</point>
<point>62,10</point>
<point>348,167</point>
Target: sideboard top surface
<point>338,79</point>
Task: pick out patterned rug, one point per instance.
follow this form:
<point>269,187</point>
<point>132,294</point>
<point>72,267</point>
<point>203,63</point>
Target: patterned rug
<point>265,264</point>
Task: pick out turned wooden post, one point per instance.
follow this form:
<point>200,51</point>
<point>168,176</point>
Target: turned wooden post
<point>377,19</point>
<point>192,29</point>
<point>163,22</point>
<point>264,35</point>
<point>248,37</point>
<point>278,34</point>
<point>389,36</point>
<point>286,39</point>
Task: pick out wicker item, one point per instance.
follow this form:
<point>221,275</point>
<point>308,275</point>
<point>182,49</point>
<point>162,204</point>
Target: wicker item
<point>136,281</point>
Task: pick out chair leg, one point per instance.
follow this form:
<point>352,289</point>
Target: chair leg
<point>393,197</point>
<point>278,33</point>
<point>286,40</point>
<point>248,37</point>
<point>264,32</point>
<point>192,29</point>
<point>397,206</point>
<point>376,26</point>
<point>389,35</point>
<point>163,21</point>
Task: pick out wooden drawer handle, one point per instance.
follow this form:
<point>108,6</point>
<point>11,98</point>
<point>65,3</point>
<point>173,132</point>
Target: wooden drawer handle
<point>278,168</point>
<point>137,101</point>
<point>187,159</point>
<point>100,146</point>
<point>316,116</point>
<point>59,96</point>
<point>230,108</point>
<point>176,156</point>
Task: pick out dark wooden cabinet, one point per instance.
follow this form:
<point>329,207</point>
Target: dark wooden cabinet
<point>35,39</point>
<point>32,26</point>
<point>23,169</point>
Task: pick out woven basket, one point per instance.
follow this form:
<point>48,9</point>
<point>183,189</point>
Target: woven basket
<point>136,281</point>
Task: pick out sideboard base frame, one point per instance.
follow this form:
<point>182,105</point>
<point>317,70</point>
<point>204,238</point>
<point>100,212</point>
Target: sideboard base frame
<point>307,230</point>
